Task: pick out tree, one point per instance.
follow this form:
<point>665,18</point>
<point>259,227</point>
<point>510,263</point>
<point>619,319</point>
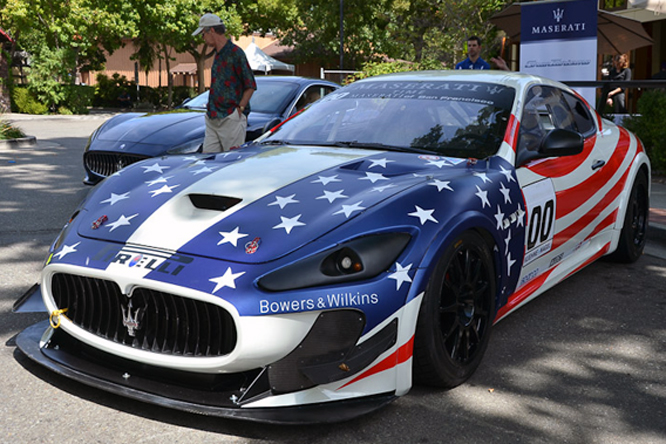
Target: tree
<point>435,29</point>
<point>167,26</point>
<point>313,27</point>
<point>374,30</point>
<point>61,36</point>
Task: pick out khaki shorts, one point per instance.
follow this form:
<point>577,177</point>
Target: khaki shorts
<point>224,134</point>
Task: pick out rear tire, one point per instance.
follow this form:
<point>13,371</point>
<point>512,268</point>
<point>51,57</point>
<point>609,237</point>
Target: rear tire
<point>634,229</point>
<point>456,314</point>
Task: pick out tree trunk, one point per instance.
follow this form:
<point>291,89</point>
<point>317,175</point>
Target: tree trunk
<point>200,58</point>
<point>167,61</point>
<point>5,99</point>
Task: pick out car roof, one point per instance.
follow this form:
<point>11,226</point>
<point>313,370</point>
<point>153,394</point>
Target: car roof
<point>292,79</point>
<point>515,79</point>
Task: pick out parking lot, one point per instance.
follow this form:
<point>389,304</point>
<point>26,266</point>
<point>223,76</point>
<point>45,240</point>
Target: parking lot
<point>584,363</point>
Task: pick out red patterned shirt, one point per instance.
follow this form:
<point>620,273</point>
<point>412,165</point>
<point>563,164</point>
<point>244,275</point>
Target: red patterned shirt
<point>231,75</point>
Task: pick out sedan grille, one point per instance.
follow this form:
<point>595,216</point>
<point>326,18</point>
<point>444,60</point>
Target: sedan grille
<point>148,320</point>
<point>106,164</point>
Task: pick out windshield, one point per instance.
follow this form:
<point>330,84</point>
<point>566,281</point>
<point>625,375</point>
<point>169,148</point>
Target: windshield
<point>270,97</point>
<point>199,102</point>
<point>450,118</point>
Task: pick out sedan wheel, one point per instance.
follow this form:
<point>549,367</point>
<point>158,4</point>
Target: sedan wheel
<point>456,315</point>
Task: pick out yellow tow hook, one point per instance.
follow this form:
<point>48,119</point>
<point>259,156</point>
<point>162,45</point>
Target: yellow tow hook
<point>54,319</point>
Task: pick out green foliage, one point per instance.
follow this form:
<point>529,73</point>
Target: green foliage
<point>649,126</point>
<point>108,89</point>
<point>439,30</point>
<point>77,99</point>
<point>7,131</point>
<point>63,36</point>
<point>371,69</point>
<point>82,27</point>
<point>47,70</point>
<point>314,28</point>
<point>158,98</point>
<point>23,101</point>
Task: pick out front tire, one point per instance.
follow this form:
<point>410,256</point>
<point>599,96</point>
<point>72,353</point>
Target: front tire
<point>456,314</point>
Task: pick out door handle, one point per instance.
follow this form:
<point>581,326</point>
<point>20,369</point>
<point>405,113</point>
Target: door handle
<point>598,164</point>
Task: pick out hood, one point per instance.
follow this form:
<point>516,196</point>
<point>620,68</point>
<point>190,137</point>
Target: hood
<point>253,205</point>
<point>167,129</point>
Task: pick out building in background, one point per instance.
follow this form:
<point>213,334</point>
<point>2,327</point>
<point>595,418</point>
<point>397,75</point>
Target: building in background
<point>184,68</point>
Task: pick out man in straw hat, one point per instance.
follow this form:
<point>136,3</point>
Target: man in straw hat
<point>232,85</point>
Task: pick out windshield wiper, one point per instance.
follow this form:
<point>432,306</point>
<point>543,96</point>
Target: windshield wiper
<point>374,145</point>
<point>274,142</point>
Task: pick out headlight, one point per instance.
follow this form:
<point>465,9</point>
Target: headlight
<point>361,258</point>
<point>191,146</point>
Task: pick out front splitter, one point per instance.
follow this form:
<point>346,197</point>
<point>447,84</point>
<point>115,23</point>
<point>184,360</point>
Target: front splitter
<point>96,375</point>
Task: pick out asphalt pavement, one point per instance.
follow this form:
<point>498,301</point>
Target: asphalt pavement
<point>658,203</point>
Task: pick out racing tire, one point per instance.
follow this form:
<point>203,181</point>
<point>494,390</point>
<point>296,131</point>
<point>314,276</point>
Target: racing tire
<point>456,315</point>
<point>634,228</point>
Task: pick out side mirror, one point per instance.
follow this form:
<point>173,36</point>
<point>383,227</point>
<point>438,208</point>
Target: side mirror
<point>556,143</point>
<point>270,125</point>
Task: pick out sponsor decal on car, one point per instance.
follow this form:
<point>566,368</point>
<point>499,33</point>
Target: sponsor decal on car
<point>335,300</point>
<point>150,260</point>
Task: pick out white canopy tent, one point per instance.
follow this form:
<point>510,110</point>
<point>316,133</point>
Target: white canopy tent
<point>260,61</point>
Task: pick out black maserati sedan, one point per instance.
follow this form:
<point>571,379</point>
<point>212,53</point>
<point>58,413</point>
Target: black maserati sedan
<point>130,137</point>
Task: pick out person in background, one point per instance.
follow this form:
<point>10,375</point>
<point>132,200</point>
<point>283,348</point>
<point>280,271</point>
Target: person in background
<point>661,74</point>
<point>125,99</point>
<point>473,60</point>
<point>620,72</point>
<point>231,86</point>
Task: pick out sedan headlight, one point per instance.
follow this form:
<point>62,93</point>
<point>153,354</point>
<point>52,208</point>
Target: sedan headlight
<point>191,146</point>
<point>361,258</point>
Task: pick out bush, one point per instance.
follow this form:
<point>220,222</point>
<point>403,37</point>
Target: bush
<point>23,101</point>
<point>108,89</point>
<point>649,126</point>
<point>9,132</point>
<point>77,99</point>
<point>374,69</point>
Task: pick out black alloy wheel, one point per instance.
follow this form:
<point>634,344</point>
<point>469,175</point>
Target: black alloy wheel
<point>456,314</point>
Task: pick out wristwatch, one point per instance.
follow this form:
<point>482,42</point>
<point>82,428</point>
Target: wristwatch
<point>242,108</point>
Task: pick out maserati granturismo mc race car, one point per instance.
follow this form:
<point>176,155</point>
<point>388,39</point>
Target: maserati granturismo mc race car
<point>365,245</point>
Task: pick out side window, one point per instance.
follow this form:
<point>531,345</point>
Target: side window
<point>531,122</point>
<point>545,109</point>
<point>584,121</point>
<point>311,95</point>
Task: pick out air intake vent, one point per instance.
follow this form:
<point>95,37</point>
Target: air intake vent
<point>215,203</point>
<point>106,164</point>
<point>150,320</point>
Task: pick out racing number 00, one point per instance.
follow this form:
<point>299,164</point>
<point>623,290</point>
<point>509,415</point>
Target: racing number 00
<point>541,224</point>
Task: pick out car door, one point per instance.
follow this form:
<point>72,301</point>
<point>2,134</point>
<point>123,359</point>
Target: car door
<point>555,234</point>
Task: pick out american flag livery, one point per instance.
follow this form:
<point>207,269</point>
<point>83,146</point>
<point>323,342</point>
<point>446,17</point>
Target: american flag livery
<point>321,260</point>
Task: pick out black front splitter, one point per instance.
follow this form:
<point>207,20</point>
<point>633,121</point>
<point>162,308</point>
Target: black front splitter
<point>73,366</point>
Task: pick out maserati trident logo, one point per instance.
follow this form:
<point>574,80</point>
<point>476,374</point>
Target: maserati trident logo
<point>132,320</point>
<point>558,14</point>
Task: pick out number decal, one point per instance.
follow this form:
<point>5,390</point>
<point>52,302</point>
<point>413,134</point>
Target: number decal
<point>540,202</point>
<point>541,224</point>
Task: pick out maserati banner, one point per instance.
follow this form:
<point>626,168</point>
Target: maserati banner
<point>559,41</point>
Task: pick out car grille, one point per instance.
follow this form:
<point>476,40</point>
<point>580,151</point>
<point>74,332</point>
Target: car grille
<point>106,164</point>
<point>150,320</point>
